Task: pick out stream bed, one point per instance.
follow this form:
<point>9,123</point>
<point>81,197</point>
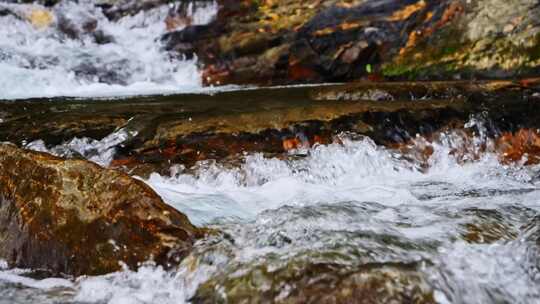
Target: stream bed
<point>379,193</point>
<point>338,221</point>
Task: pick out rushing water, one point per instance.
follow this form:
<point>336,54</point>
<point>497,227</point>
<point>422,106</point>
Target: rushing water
<point>452,228</point>
<point>123,57</point>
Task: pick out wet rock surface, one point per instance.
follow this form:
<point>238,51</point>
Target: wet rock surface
<point>297,254</point>
<point>271,42</point>
<point>74,217</point>
<point>155,132</point>
<point>320,283</point>
<point>367,192</point>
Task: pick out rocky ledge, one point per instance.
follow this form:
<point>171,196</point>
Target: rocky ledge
<point>287,41</point>
<point>74,217</point>
<point>154,133</point>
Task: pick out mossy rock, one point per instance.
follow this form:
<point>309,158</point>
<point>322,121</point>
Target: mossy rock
<point>74,217</point>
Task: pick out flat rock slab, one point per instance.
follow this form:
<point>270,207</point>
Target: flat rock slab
<point>184,129</point>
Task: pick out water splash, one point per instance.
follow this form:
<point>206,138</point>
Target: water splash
<point>354,170</point>
<point>463,227</point>
<point>82,53</point>
<point>100,152</point>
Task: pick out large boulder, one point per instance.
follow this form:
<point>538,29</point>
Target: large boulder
<point>284,41</point>
<point>74,217</point>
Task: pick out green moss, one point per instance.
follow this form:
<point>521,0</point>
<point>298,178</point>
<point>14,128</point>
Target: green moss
<point>429,56</point>
<point>534,51</point>
<point>397,70</point>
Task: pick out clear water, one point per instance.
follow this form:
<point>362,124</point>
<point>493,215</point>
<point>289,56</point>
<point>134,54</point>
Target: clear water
<point>464,222</point>
<point>45,62</point>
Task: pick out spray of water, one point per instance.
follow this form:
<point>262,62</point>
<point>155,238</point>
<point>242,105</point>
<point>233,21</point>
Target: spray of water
<point>463,226</point>
<point>82,53</point>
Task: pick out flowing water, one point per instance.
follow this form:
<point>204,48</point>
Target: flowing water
<point>114,58</point>
<point>448,228</point>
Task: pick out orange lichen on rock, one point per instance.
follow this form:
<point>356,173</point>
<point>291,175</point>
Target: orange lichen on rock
<point>523,145</point>
<point>291,144</point>
<point>121,162</point>
<point>299,143</point>
<point>346,26</point>
<point>350,25</point>
<point>530,82</point>
<point>451,12</point>
<point>213,75</point>
<point>414,37</point>
<point>407,11</point>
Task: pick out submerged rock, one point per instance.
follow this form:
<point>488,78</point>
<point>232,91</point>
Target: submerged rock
<point>319,283</point>
<point>74,217</point>
<point>42,2</point>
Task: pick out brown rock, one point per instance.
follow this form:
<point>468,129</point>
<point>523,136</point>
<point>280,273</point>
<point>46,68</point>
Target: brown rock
<point>319,283</point>
<point>74,217</point>
<point>521,145</point>
<point>184,129</point>
<point>329,41</point>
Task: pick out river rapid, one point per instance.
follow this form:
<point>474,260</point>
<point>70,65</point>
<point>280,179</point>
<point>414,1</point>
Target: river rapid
<point>455,226</point>
<point>113,58</point>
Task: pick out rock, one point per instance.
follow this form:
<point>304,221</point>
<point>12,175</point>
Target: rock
<point>487,39</point>
<point>179,41</point>
<point>332,41</point>
<point>40,18</point>
<point>74,217</point>
<point>79,24</point>
<point>47,3</point>
<point>76,26</point>
<point>319,283</point>
<point>116,9</point>
<point>189,128</point>
<point>522,145</point>
<point>99,71</point>
<point>487,226</point>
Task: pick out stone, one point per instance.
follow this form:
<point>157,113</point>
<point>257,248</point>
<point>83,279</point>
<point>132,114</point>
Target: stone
<point>331,41</point>
<point>74,217</point>
<point>188,128</point>
<point>319,283</point>
<point>40,18</point>
<point>522,145</point>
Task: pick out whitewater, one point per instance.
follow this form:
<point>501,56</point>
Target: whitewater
<point>461,227</point>
<point>350,203</point>
<point>127,57</point>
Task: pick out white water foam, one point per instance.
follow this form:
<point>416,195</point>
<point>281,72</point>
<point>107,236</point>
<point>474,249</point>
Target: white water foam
<point>323,199</point>
<point>100,152</point>
<point>352,195</point>
<point>356,170</point>
<point>45,62</point>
